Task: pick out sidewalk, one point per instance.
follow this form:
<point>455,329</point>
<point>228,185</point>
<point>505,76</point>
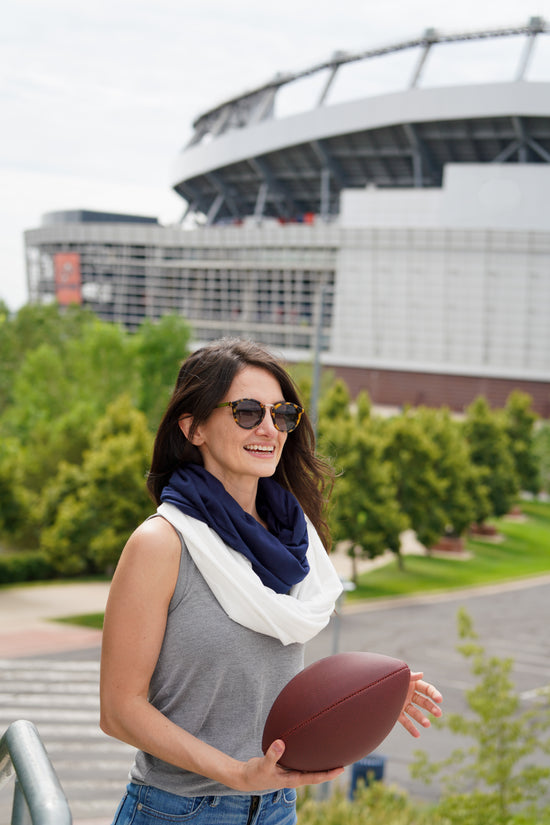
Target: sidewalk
<point>26,628</point>
<point>344,566</point>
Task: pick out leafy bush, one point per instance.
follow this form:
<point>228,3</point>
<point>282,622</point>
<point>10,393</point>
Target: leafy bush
<point>25,567</point>
<point>376,804</point>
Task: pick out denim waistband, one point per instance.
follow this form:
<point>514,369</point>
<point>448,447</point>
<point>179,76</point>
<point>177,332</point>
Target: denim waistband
<point>148,804</point>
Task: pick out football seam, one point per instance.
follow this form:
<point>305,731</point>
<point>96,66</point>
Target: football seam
<point>341,702</point>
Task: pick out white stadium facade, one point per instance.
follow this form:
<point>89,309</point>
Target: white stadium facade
<point>407,232</point>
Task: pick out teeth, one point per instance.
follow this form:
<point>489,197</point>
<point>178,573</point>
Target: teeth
<point>258,448</point>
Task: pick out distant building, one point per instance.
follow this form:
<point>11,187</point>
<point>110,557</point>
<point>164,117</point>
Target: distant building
<point>410,230</point>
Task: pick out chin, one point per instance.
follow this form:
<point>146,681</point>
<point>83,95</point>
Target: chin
<point>266,470</point>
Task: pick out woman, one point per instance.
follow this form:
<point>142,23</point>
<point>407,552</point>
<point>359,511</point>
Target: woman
<point>214,597</point>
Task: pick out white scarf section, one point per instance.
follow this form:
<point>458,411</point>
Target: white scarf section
<point>296,617</point>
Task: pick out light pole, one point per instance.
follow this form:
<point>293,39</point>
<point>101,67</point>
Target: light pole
<point>317,345</point>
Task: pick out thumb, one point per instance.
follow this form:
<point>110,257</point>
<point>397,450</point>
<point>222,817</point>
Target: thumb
<point>275,750</point>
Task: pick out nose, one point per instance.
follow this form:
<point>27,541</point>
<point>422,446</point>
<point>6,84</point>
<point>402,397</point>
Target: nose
<point>266,424</point>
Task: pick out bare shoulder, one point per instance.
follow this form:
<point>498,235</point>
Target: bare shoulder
<point>155,537</point>
<point>156,530</point>
<point>150,558</point>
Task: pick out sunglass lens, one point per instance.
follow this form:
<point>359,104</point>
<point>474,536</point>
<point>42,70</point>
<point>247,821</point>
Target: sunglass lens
<point>287,417</point>
<point>248,414</point>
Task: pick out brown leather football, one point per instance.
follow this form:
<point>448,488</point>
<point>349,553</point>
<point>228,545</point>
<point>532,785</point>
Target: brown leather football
<point>337,710</point>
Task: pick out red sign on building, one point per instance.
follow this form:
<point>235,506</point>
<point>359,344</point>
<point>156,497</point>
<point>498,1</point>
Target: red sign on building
<point>68,282</point>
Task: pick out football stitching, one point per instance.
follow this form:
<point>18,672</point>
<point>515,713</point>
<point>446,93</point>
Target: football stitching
<point>341,702</point>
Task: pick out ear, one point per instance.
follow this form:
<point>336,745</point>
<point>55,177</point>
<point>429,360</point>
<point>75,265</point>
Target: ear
<point>185,424</point>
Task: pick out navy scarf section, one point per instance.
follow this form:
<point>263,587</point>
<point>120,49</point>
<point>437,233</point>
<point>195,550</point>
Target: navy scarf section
<point>277,555</point>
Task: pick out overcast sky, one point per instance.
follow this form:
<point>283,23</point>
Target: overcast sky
<point>98,98</point>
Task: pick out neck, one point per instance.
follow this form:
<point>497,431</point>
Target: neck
<point>242,488</point>
<point>244,491</point>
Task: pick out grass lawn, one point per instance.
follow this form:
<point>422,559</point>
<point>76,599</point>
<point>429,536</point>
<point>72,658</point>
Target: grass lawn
<point>94,620</point>
<point>524,551</point>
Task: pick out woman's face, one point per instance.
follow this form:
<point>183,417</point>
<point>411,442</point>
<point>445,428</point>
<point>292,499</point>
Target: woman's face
<point>238,457</point>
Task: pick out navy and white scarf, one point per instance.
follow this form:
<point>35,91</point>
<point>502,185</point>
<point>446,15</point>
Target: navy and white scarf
<point>253,582</point>
<point>279,554</point>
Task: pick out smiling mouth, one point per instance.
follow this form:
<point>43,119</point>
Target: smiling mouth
<point>258,448</point>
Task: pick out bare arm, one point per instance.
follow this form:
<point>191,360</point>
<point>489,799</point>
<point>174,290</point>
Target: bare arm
<point>135,621</point>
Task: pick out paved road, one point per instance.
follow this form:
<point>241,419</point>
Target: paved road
<point>59,691</point>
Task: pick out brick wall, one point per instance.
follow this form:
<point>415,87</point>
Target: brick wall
<point>396,388</point>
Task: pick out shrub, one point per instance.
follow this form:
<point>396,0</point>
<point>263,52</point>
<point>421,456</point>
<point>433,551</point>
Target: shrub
<point>376,804</point>
<point>24,567</point>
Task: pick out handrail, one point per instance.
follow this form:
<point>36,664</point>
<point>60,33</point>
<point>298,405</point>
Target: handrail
<point>38,792</point>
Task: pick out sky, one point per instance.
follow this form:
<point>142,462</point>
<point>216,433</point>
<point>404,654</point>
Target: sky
<point>97,99</point>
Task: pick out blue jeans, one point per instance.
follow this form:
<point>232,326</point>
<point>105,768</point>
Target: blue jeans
<point>144,805</point>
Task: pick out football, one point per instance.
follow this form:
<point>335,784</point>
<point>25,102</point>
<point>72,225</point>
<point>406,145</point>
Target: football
<point>337,710</point>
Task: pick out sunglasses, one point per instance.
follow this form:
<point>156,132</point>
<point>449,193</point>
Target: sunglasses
<point>249,413</point>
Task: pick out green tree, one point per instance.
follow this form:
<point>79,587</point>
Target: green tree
<point>160,349</point>
<point>302,375</point>
<point>94,366</point>
<point>12,508</point>
<point>61,369</point>
<point>420,491</point>
<point>102,364</point>
<point>490,450</point>
<point>364,508</point>
<point>498,780</point>
<point>95,507</point>
<point>60,391</point>
<point>334,408</point>
<point>519,424</point>
<point>463,492</point>
<point>26,330</point>
<point>40,393</point>
<point>541,447</point>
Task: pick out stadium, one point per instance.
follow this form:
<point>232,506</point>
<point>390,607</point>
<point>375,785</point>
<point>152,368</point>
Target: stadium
<point>404,233</point>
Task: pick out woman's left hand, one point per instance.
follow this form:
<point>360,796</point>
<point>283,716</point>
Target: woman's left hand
<point>421,697</point>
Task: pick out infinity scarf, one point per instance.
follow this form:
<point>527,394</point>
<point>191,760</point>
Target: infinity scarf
<point>293,618</point>
<point>277,555</point>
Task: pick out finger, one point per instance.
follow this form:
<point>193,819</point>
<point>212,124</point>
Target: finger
<point>324,776</point>
<point>408,725</point>
<point>426,703</point>
<point>428,690</point>
<point>275,751</point>
<point>416,714</point>
<point>297,778</point>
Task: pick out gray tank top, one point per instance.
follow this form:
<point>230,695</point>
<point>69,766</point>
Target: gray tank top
<point>214,678</point>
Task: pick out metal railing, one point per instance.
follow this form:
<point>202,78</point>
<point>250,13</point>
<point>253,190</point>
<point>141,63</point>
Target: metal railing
<point>38,797</point>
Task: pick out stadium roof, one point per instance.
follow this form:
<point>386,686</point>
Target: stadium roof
<point>243,160</point>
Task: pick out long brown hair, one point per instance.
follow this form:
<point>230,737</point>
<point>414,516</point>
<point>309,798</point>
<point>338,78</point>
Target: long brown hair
<point>203,381</point>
